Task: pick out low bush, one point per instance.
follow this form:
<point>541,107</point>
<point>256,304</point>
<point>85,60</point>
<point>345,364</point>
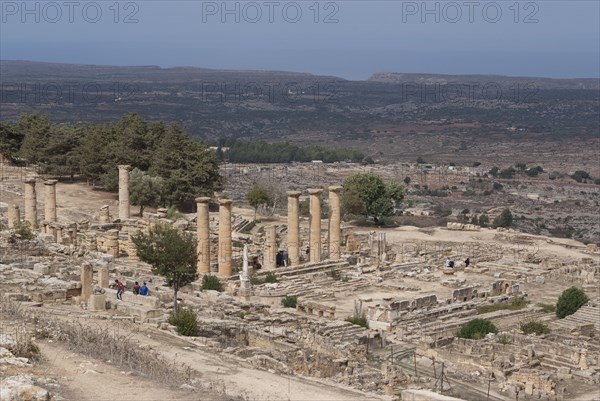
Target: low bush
<point>548,308</point>
<point>289,301</point>
<point>359,321</point>
<point>24,232</point>
<point>211,283</point>
<point>476,329</point>
<point>517,304</point>
<point>270,277</point>
<point>185,320</point>
<point>534,326</point>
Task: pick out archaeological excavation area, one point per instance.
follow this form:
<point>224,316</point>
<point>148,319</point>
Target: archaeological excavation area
<point>369,313</point>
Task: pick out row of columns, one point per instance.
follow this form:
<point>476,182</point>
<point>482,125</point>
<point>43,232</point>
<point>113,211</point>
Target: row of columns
<point>315,225</point>
<point>225,239</point>
<point>14,213</point>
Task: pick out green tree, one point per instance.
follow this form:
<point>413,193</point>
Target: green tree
<point>570,301</point>
<point>504,219</point>
<point>476,329</point>
<point>258,196</point>
<point>53,148</point>
<point>367,194</point>
<point>11,139</point>
<point>145,190</point>
<point>187,166</point>
<point>170,253</point>
<point>484,220</point>
<point>580,175</point>
<point>494,171</point>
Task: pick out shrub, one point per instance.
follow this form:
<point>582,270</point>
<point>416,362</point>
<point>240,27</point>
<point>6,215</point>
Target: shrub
<point>270,277</point>
<point>548,308</point>
<point>476,329</point>
<point>570,301</point>
<point>24,232</point>
<point>185,320</point>
<point>359,321</point>
<point>211,283</point>
<point>534,326</point>
<point>504,219</point>
<point>289,301</point>
<point>174,214</point>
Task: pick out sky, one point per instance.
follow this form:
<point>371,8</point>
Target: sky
<point>348,39</point>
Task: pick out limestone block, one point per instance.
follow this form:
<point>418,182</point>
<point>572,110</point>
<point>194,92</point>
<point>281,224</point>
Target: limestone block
<point>97,302</point>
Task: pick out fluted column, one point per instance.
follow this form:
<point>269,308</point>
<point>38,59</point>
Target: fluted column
<point>203,234</point>
<point>315,225</point>
<point>50,200</point>
<point>334,221</point>
<point>124,192</point>
<point>293,228</point>
<point>225,238</point>
<point>30,203</point>
<point>271,245</point>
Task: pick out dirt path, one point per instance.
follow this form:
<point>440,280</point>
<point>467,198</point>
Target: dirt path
<point>88,379</point>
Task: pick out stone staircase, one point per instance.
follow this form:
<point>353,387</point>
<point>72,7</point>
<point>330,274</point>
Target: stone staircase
<point>587,314</point>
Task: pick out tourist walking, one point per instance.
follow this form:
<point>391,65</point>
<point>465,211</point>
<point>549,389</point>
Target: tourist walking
<point>120,288</point>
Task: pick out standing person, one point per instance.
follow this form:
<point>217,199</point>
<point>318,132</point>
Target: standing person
<point>144,289</point>
<point>467,262</point>
<point>120,288</point>
<point>136,288</point>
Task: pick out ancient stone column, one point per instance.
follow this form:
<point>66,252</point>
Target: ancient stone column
<point>124,192</point>
<point>30,203</point>
<point>103,277</point>
<point>104,217</point>
<point>315,225</point>
<point>271,245</point>
<point>224,238</point>
<point>334,222</point>
<point>293,228</point>
<point>50,200</point>
<point>111,243</point>
<point>203,235</point>
<point>87,274</point>
<point>14,216</point>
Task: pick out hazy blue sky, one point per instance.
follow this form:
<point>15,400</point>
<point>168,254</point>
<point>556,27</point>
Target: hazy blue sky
<point>527,38</point>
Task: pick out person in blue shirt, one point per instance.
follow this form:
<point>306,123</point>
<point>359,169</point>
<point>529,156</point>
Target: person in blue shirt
<point>144,289</point>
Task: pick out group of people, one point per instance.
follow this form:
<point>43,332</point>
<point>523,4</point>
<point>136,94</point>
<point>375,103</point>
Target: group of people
<point>450,263</point>
<point>137,289</point>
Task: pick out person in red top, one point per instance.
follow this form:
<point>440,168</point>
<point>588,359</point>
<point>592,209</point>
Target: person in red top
<point>136,288</point>
<point>120,288</point>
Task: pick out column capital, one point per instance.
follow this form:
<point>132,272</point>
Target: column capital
<point>124,167</point>
<point>225,202</point>
<point>335,188</point>
<point>202,199</point>
<point>50,182</point>
<point>315,191</point>
<point>294,194</point>
<point>30,180</point>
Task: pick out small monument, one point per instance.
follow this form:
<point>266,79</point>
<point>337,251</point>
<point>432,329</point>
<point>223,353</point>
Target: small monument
<point>245,286</point>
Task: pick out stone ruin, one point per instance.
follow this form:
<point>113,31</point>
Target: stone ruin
<point>345,273</point>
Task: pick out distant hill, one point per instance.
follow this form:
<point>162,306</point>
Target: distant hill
<point>541,83</point>
<point>385,116</point>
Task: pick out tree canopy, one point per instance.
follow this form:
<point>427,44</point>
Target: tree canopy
<point>258,196</point>
<point>504,219</point>
<point>570,301</point>
<point>172,254</point>
<point>367,194</point>
<point>186,165</point>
